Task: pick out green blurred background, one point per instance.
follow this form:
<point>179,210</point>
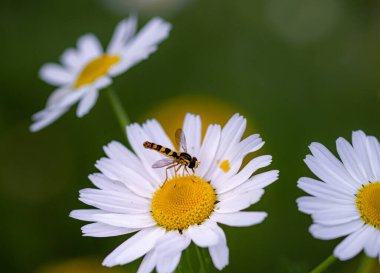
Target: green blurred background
<point>300,70</point>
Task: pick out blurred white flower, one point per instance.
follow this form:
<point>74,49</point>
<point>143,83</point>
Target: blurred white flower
<point>347,200</point>
<point>167,216</point>
<point>88,68</point>
<point>146,7</point>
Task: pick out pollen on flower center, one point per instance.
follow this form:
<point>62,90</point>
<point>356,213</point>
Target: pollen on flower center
<point>95,69</point>
<point>183,201</point>
<point>368,204</point>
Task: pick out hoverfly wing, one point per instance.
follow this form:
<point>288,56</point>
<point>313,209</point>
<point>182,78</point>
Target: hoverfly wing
<point>180,139</point>
<point>163,163</point>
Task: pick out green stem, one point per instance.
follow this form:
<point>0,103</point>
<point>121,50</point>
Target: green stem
<point>365,265</point>
<point>118,109</point>
<point>324,265</point>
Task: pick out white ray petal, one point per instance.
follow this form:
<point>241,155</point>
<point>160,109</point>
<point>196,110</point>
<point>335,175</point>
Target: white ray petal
<point>55,74</point>
<point>219,253</point>
<point>142,45</point>
<point>124,31</point>
<point>239,219</point>
<point>353,244</point>
<point>372,246</point>
<point>103,230</point>
<point>323,190</point>
<point>351,160</point>
<point>135,247</point>
<point>46,118</point>
<point>239,202</point>
<point>148,263</point>
<point>208,150</point>
<point>87,102</point>
<point>203,235</point>
<point>332,232</point>
<point>192,128</point>
<point>89,47</point>
<point>125,220</point>
<point>361,147</point>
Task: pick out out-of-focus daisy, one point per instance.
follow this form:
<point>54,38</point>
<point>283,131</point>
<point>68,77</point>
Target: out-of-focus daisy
<point>167,216</point>
<point>346,202</point>
<point>88,68</point>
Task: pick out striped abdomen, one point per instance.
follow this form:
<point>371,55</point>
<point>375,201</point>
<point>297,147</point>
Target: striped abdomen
<point>161,149</point>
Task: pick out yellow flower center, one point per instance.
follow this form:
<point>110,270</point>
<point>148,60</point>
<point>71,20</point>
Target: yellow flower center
<point>183,201</point>
<point>95,69</point>
<point>368,204</point>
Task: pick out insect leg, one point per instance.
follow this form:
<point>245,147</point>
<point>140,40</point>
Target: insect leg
<point>167,169</point>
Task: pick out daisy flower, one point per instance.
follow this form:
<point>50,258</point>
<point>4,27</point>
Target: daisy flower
<point>88,68</point>
<point>346,202</point>
<point>166,215</point>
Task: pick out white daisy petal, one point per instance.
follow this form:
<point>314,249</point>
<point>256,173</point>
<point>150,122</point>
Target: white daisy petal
<point>113,201</point>
<point>57,96</point>
<point>208,150</point>
<point>55,74</point>
<point>102,82</point>
<point>192,128</point>
<point>332,232</point>
<point>239,219</point>
<point>323,190</point>
<point>310,204</point>
<point>172,243</point>
<point>125,220</point>
<point>219,253</point>
<point>103,230</point>
<point>123,32</point>
<point>350,160</point>
<point>203,235</point>
<point>85,214</point>
<point>353,244</point>
<point>87,102</point>
<point>47,118</point>
<point>89,46</point>
<point>223,185</point>
<point>168,264</point>
<point>148,263</point>
<point>71,59</point>
<point>135,247</point>
<point>156,133</point>
<point>336,215</point>
<point>239,202</point>
<point>103,182</point>
<point>374,155</point>
<point>142,45</point>
<point>333,166</point>
<point>129,177</point>
<point>136,137</point>
<point>361,147</point>
<point>372,246</point>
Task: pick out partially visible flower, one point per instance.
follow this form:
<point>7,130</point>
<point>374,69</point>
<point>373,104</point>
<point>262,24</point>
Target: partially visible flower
<point>88,68</point>
<point>167,215</point>
<point>347,200</point>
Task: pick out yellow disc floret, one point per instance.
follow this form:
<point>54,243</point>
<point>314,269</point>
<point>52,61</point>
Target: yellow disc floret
<point>368,204</point>
<point>95,69</point>
<point>183,201</point>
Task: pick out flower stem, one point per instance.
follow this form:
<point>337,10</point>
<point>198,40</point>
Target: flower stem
<point>118,109</point>
<point>324,265</point>
<point>365,265</point>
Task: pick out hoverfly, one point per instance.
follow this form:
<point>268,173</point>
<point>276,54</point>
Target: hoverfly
<point>175,159</point>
